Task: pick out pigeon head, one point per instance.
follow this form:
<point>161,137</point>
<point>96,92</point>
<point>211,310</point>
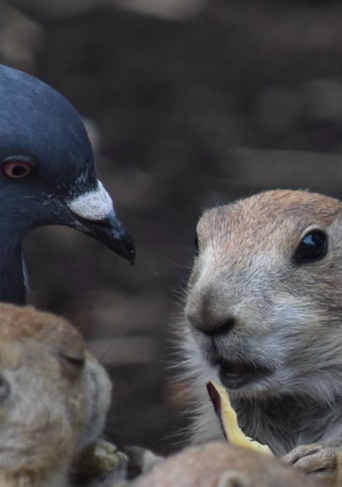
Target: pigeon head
<point>47,171</point>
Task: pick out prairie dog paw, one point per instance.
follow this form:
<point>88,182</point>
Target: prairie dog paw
<point>322,462</point>
<point>101,458</point>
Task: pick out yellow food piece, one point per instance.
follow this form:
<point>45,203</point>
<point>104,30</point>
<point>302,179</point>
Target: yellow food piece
<point>232,431</point>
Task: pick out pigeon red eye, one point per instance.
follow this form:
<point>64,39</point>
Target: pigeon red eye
<point>17,169</point>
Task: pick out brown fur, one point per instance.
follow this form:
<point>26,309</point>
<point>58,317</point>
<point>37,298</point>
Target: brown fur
<point>46,383</point>
<point>219,465</point>
<point>286,317</point>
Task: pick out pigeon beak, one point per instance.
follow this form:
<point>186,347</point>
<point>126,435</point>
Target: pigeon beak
<point>94,214</point>
<point>113,234</point>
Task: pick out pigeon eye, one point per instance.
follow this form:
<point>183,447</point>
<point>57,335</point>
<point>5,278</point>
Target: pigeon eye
<point>17,169</point>
<point>314,246</point>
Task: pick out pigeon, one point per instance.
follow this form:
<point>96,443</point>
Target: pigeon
<point>47,176</point>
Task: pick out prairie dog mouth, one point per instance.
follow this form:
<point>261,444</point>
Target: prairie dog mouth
<point>236,374</point>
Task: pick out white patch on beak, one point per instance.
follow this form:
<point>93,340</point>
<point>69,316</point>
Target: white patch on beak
<point>93,205</point>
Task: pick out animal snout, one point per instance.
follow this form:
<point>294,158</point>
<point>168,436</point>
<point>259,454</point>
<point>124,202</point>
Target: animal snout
<point>209,314</point>
<point>215,328</point>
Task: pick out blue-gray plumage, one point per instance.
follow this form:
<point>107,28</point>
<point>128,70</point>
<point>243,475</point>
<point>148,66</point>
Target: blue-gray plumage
<point>47,176</point>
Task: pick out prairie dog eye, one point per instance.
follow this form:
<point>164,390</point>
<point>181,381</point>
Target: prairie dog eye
<point>77,362</point>
<point>73,360</point>
<point>313,247</point>
<point>17,169</point>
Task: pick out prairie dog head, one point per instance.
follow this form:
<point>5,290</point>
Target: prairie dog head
<point>44,394</point>
<point>219,465</point>
<point>264,300</point>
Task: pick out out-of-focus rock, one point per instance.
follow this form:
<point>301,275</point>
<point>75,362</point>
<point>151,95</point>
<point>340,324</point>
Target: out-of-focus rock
<point>262,169</point>
<point>169,9</point>
<point>126,351</point>
<point>322,99</point>
<point>20,39</point>
<point>56,8</point>
<point>276,109</point>
<point>94,134</point>
<point>135,189</point>
<point>112,312</point>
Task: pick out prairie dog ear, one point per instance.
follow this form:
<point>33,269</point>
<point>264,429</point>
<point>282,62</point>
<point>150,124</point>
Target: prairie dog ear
<point>232,479</point>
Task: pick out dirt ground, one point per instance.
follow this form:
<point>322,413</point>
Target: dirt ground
<point>184,113</point>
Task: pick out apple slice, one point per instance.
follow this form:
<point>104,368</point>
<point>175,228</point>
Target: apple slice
<point>228,420</point>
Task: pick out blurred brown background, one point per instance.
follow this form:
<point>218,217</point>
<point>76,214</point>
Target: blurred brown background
<point>188,103</point>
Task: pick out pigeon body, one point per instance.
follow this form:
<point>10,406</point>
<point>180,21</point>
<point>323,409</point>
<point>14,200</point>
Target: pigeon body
<point>47,176</point>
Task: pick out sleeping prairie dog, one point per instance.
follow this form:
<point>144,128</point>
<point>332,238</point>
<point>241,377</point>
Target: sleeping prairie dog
<point>47,397</point>
<point>217,464</point>
<point>263,316</point>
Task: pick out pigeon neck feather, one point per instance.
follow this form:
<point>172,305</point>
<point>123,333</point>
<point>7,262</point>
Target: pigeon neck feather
<point>12,286</point>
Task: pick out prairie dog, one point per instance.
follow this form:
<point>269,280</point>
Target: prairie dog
<point>263,316</point>
<point>47,386</point>
<point>217,464</point>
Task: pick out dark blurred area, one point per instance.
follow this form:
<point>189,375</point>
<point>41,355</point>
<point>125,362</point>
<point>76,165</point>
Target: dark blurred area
<point>188,103</point>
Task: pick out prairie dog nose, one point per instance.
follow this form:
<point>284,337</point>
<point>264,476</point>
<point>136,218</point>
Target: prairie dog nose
<point>206,312</point>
